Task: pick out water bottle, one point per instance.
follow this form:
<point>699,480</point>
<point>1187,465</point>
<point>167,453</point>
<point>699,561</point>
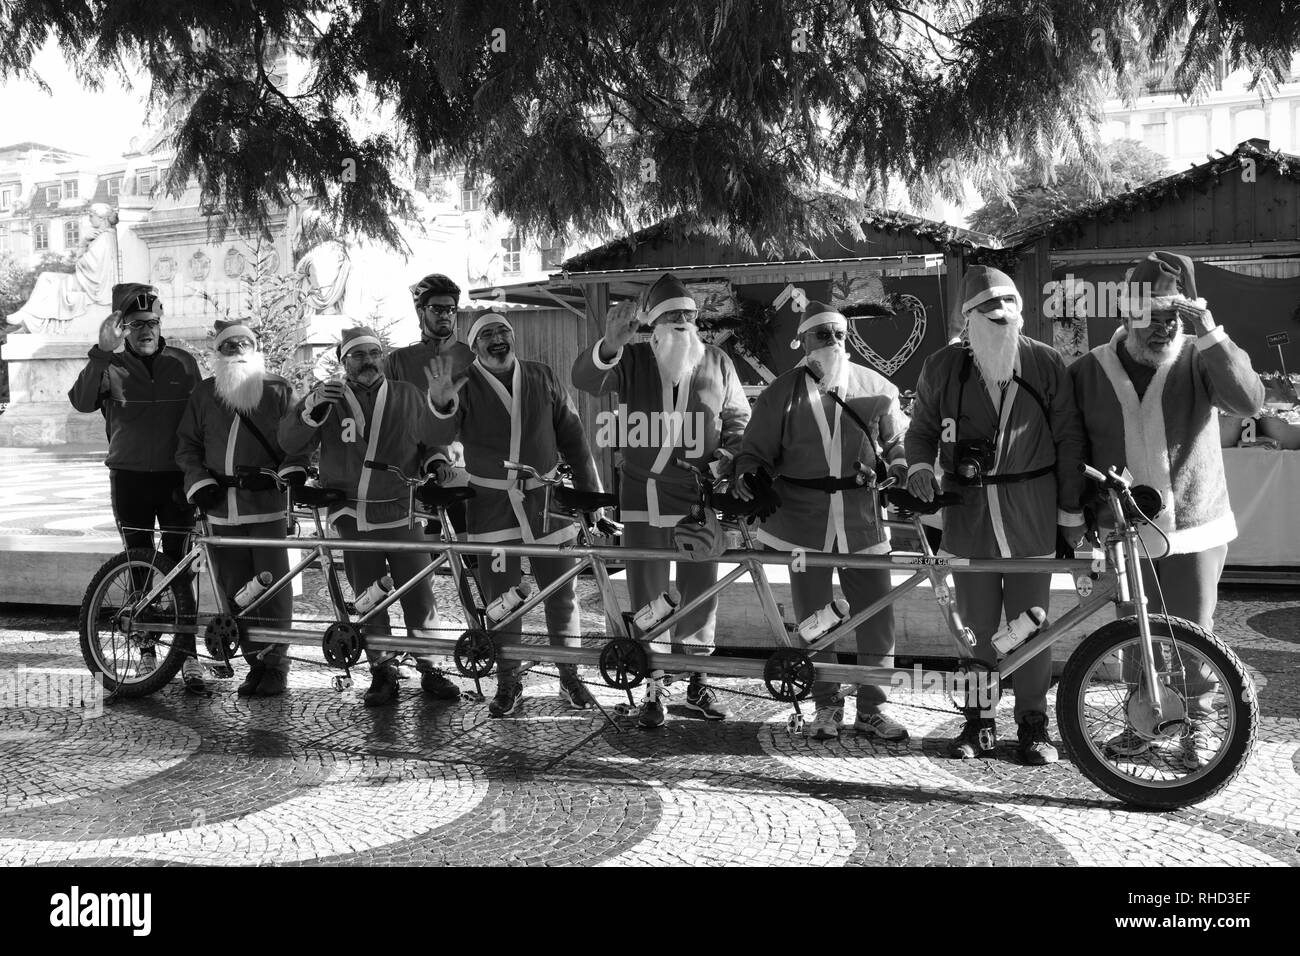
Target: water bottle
<point>815,625</point>
<point>249,592</point>
<point>1020,630</point>
<point>507,602</point>
<point>658,609</point>
<point>373,594</point>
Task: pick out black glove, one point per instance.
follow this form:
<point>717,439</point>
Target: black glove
<point>257,482</point>
<point>295,479</point>
<point>208,497</point>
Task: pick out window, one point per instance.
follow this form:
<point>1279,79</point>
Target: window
<point>52,195</point>
<point>4,237</point>
<point>1193,134</point>
<point>115,186</point>
<point>70,189</point>
<point>6,198</point>
<point>71,234</point>
<point>145,179</point>
<point>1249,123</point>
<point>40,236</point>
<point>1153,136</point>
<point>552,254</point>
<point>510,254</point>
<point>471,200</point>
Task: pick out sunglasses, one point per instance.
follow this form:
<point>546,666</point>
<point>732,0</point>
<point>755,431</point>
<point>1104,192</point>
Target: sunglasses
<point>439,309</point>
<point>233,346</point>
<point>139,325</point>
<point>830,335</point>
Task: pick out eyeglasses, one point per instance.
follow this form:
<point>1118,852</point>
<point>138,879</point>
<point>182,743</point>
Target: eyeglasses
<point>439,309</point>
<point>233,346</point>
<point>500,332</point>
<point>830,335</point>
<point>139,325</point>
<point>1169,319</point>
<point>373,355</point>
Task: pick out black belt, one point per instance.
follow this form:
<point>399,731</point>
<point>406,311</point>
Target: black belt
<point>828,484</point>
<point>241,482</point>
<point>1000,479</point>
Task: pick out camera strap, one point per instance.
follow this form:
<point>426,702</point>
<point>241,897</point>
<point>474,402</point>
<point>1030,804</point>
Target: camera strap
<point>261,439</point>
<point>964,376</point>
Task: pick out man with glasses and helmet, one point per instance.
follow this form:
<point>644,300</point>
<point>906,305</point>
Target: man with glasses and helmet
<point>998,409</point>
<point>141,386</point>
<point>688,399</point>
<point>816,435</point>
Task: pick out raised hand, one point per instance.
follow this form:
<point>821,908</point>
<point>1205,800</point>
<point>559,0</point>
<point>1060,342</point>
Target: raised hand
<point>111,332</point>
<point>621,324</point>
<point>1199,319</point>
<point>443,385</point>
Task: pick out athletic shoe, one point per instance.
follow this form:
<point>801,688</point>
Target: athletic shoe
<point>702,699</point>
<point>192,675</point>
<point>249,687</point>
<point>1196,745</point>
<point>509,700</point>
<point>978,738</point>
<point>148,662</point>
<point>274,683</point>
<point>826,723</point>
<point>436,684</point>
<point>575,694</point>
<point>1035,748</point>
<point>1127,744</point>
<point>878,725</point>
<point>383,686</point>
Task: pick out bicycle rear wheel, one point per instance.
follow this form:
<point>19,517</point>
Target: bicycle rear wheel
<point>118,638</point>
<point>1211,713</point>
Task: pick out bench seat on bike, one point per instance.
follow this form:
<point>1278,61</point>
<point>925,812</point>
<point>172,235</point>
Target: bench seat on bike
<point>907,501</point>
<point>572,500</point>
<point>313,497</point>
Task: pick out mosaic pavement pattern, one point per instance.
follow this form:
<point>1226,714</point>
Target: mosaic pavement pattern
<point>313,777</point>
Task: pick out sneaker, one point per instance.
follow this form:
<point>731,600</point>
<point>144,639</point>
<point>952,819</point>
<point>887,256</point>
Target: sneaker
<point>383,686</point>
<point>509,699</point>
<point>1195,746</point>
<point>978,738</point>
<point>192,675</point>
<point>878,725</point>
<point>574,693</point>
<point>652,713</point>
<point>436,684</point>
<point>702,699</point>
<point>1035,749</point>
<point>148,662</point>
<point>1127,744</point>
<point>249,687</point>
<point>826,723</point>
<point>274,683</point>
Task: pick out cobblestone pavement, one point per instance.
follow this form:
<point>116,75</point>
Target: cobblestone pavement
<point>313,777</point>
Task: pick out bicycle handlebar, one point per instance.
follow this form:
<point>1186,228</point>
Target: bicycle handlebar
<point>393,469</point>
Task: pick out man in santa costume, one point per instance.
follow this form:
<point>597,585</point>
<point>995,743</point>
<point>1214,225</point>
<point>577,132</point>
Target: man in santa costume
<point>1148,399</point>
<point>815,435</point>
<point>678,398</point>
<point>998,408</point>
<point>231,421</point>
<point>506,409</point>
<point>367,417</point>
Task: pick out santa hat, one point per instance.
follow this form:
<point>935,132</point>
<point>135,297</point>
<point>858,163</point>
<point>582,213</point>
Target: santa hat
<point>131,297</point>
<point>434,284</point>
<point>981,283</point>
<point>815,315</point>
<point>666,295</point>
<point>489,317</point>
<point>1159,281</point>
<point>361,335</point>
<point>223,330</point>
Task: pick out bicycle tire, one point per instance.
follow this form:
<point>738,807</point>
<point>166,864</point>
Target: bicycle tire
<point>93,607</point>
<point>1238,696</point>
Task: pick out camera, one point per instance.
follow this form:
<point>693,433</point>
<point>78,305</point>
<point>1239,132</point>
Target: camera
<point>974,457</point>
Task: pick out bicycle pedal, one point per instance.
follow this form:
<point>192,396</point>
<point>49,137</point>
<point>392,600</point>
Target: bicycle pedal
<point>624,710</point>
<point>341,684</point>
<point>473,696</point>
<point>794,725</point>
<point>988,740</point>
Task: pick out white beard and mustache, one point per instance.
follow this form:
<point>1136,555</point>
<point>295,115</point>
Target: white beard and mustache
<point>238,380</point>
<point>994,346</point>
<point>832,365</point>
<point>678,350</point>
<point>1144,354</point>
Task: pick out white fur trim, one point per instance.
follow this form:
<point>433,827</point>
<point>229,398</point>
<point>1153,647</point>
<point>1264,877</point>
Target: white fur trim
<point>920,466</point>
<point>993,292</point>
<point>1211,338</point>
<point>189,495</point>
<point>1191,540</point>
<point>350,344</point>
<point>230,332</point>
<point>595,356</point>
<point>672,305</point>
<point>1068,520</point>
<point>482,322</point>
<point>455,404</point>
<point>822,318</point>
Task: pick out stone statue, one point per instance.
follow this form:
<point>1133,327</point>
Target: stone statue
<point>73,304</point>
<point>326,268</point>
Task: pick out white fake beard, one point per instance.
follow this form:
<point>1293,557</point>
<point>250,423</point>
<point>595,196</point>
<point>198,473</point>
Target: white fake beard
<point>1144,354</point>
<point>238,380</point>
<point>678,350</point>
<point>834,362</point>
<point>994,346</point>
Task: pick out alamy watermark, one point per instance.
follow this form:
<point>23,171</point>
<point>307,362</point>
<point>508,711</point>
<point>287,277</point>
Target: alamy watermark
<point>977,688</point>
<point>1072,297</point>
<point>622,428</point>
<point>28,688</point>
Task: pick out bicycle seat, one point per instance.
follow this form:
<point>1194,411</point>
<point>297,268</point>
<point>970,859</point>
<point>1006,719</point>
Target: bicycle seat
<point>436,496</point>
<point>570,499</point>
<point>729,507</point>
<point>312,497</point>
<point>909,502</point>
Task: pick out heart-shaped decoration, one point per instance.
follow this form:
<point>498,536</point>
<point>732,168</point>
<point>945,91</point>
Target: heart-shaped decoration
<point>902,305</point>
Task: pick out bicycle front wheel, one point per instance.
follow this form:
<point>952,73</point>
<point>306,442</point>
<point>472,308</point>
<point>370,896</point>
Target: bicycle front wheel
<point>1209,719</point>
<point>132,646</point>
